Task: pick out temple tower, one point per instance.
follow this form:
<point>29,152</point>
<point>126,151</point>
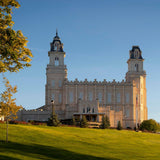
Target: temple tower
<point>56,72</point>
<point>137,76</point>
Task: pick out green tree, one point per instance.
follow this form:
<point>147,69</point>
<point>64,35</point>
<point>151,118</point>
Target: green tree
<point>53,120</point>
<point>83,122</point>
<point>119,126</point>
<point>150,125</point>
<point>13,52</point>
<point>105,122</point>
<point>73,121</point>
<point>8,105</point>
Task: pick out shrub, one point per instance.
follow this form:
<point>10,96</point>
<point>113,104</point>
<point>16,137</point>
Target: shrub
<point>119,127</point>
<point>149,125</point>
<point>53,121</point>
<point>73,121</point>
<point>105,122</point>
<point>83,122</point>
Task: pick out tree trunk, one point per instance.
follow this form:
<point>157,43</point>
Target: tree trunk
<point>7,131</point>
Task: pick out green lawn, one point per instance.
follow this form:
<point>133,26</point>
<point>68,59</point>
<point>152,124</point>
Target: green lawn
<point>70,143</point>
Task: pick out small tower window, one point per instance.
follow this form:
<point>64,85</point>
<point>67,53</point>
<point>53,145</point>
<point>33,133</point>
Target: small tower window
<point>56,61</point>
<point>55,48</point>
<point>136,67</point>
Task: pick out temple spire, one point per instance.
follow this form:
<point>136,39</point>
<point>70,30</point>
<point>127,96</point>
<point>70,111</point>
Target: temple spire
<point>56,32</point>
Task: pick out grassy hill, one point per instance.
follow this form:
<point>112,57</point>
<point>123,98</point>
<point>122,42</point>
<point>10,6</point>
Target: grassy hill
<point>70,143</point>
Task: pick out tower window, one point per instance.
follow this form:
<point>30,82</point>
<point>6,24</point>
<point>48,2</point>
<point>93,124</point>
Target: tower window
<point>56,61</point>
<point>136,67</point>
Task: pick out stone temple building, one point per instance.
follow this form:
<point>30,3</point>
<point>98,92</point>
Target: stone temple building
<point>123,101</point>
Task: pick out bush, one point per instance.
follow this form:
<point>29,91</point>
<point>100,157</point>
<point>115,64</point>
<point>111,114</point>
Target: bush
<point>105,123</point>
<point>53,121</point>
<point>83,122</point>
<point>149,125</point>
<point>119,127</point>
<point>73,121</point>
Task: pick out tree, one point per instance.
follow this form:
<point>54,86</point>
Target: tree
<point>83,122</point>
<point>105,122</point>
<point>53,120</point>
<point>13,52</point>
<point>149,125</point>
<point>119,126</point>
<point>73,121</point>
<point>8,105</point>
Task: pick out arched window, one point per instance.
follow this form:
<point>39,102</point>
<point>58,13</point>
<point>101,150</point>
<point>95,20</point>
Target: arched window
<point>136,67</point>
<point>56,61</point>
<point>88,109</point>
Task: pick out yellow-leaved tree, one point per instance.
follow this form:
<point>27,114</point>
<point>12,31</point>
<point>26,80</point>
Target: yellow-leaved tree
<point>13,52</point>
<point>14,55</point>
<point>7,104</point>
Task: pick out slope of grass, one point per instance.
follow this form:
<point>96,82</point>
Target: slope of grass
<point>69,143</point>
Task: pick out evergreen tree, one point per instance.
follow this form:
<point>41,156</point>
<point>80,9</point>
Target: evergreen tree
<point>119,127</point>
<point>73,121</point>
<point>83,122</point>
<point>53,120</point>
<point>105,122</point>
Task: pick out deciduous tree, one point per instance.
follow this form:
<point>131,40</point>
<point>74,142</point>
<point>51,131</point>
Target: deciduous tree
<point>7,104</point>
<point>13,52</point>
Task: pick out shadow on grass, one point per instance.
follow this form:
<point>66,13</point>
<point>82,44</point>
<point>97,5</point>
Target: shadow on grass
<point>44,152</point>
<point>7,158</point>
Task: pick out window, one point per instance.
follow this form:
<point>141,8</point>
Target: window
<point>52,98</point>
<point>118,108</point>
<point>71,97</point>
<point>83,110</point>
<point>118,97</point>
<point>127,112</point>
<point>88,109</point>
<point>127,97</point>
<point>90,96</point>
<point>56,61</point>
<point>60,83</point>
<point>53,83</point>
<point>137,99</point>
<point>60,98</point>
<point>92,110</point>
<point>109,98</point>
<point>100,97</point>
<point>81,95</point>
<point>136,67</point>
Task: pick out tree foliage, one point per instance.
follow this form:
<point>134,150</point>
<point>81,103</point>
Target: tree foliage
<point>119,126</point>
<point>7,104</point>
<point>149,125</point>
<point>83,122</point>
<point>13,52</point>
<point>53,120</point>
<point>105,122</point>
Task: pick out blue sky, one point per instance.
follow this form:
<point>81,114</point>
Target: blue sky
<point>97,37</point>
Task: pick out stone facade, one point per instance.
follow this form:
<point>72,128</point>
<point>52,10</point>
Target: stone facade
<point>123,101</point>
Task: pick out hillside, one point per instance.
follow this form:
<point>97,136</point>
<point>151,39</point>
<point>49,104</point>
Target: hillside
<point>70,143</point>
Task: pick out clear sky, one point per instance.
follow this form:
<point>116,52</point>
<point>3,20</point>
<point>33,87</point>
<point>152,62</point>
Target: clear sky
<point>97,37</point>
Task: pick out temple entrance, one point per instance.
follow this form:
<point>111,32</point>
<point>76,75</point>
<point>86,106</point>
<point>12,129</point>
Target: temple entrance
<point>91,118</point>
